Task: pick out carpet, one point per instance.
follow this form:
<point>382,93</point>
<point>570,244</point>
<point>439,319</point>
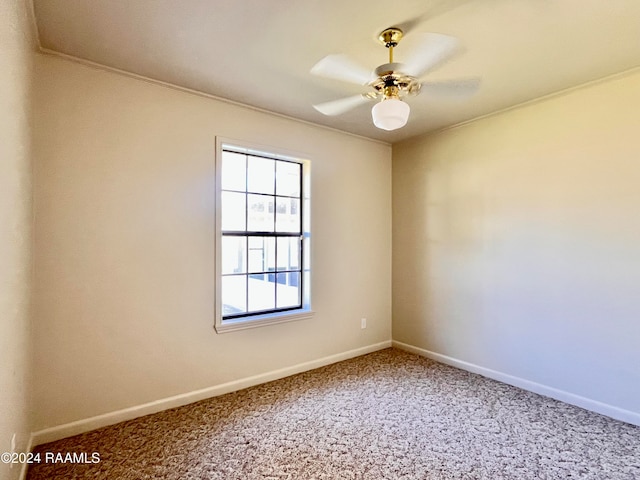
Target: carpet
<point>386,415</point>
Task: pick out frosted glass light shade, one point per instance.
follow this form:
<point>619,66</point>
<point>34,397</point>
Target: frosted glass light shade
<point>390,114</point>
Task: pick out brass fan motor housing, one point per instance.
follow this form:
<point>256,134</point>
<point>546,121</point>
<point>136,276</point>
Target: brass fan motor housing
<point>391,80</point>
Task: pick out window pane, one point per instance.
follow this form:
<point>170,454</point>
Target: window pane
<point>261,175</point>
<point>234,171</point>
<point>262,291</point>
<point>288,289</point>
<point>234,294</point>
<point>307,253</point>
<point>288,179</point>
<point>233,211</point>
<point>288,253</point>
<point>260,215</point>
<point>234,254</point>
<point>287,214</point>
<point>262,254</point>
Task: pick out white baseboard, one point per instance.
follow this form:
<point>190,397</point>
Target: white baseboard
<point>577,400</point>
<point>81,426</point>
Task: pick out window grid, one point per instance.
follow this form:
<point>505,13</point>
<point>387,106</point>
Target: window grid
<point>276,272</point>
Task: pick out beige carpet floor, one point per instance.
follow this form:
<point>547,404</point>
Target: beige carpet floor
<point>387,415</point>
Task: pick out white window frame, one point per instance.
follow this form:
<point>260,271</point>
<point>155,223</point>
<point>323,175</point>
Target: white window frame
<point>258,320</point>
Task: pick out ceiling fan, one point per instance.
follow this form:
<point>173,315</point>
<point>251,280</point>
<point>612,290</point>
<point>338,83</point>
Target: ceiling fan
<point>392,82</point>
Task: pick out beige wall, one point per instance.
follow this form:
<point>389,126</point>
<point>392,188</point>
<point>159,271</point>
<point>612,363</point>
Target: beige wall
<point>15,227</point>
<point>124,202</point>
<point>517,242</point>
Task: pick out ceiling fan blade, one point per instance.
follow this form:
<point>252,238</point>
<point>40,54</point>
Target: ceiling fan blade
<point>341,67</point>
<point>431,12</point>
<point>457,89</point>
<point>336,107</point>
<point>433,51</point>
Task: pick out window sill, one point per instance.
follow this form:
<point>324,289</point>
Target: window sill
<point>262,320</point>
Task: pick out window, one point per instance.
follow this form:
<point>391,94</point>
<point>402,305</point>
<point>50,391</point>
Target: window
<point>263,238</point>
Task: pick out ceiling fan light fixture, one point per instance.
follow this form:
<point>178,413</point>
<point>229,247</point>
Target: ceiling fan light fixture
<point>390,114</point>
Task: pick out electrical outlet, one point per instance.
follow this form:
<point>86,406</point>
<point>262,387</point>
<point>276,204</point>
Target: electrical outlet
<point>363,323</point>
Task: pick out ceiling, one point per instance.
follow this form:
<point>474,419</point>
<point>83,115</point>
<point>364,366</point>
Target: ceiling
<point>260,52</point>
